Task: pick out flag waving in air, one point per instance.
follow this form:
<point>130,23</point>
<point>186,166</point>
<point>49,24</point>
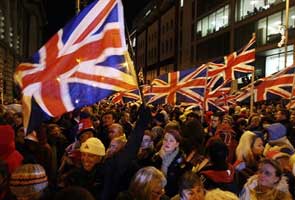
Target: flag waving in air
<point>81,64</point>
<point>185,86</point>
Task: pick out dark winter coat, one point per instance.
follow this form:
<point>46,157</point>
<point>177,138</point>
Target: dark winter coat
<point>175,170</point>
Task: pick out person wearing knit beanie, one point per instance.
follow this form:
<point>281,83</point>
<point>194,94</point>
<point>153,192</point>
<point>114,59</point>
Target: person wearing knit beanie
<point>277,136</point>
<point>28,182</point>
<point>8,153</point>
<point>92,151</point>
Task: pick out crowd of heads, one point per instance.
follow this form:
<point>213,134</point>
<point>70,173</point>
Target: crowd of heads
<point>184,153</point>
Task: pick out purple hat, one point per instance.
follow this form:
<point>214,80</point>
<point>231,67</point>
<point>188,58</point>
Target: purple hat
<point>276,131</point>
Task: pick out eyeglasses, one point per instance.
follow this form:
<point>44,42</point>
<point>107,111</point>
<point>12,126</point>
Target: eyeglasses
<point>158,193</point>
<point>265,172</point>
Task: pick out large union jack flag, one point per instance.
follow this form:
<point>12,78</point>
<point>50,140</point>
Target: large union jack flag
<point>276,86</point>
<point>186,86</point>
<point>81,64</point>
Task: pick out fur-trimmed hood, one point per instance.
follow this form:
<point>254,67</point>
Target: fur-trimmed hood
<point>252,183</point>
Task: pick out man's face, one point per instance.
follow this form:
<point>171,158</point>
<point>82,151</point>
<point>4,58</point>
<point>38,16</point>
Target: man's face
<point>279,116</point>
<point>215,121</point>
<point>107,120</point>
<point>89,160</point>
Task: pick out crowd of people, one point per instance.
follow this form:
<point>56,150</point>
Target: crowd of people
<point>143,152</point>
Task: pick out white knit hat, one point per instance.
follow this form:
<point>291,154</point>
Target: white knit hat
<point>93,146</point>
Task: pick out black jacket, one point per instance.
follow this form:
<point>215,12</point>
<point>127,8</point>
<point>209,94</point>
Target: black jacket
<point>105,179</point>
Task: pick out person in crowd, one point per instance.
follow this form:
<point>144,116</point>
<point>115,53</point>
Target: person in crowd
<point>72,155</point>
<point>8,153</point>
<point>5,193</point>
<point>18,121</point>
<point>190,187</point>
<point>74,193</point>
<point>146,150</point>
<point>125,122</point>
<point>239,127</point>
<point>115,130</point>
<point>171,159</point>
<point>193,141</point>
<point>147,184</point>
<point>20,139</point>
<point>277,136</point>
<point>269,183</point>
<point>218,194</point>
<point>29,182</point>
<point>248,153</point>
<point>116,145</point>
<point>254,123</point>
<point>103,177</point>
<point>283,159</point>
<point>215,121</point>
<point>218,172</point>
<point>107,118</point>
<point>228,136</point>
<point>89,177</point>
<point>282,116</point>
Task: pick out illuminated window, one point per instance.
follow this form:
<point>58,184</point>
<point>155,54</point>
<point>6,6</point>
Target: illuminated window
<point>213,22</point>
<point>276,62</point>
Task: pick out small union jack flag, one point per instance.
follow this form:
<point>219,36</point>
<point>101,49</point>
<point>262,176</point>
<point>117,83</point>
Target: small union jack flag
<point>126,96</point>
<point>180,86</point>
<point>81,64</point>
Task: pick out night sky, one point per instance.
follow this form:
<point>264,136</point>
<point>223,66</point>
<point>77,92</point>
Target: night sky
<point>59,12</point>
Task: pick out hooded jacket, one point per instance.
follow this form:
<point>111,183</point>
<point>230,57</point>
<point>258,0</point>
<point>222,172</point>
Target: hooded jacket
<point>218,178</point>
<point>7,148</point>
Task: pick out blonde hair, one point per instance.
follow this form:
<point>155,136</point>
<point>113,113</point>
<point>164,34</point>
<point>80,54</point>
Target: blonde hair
<point>140,186</point>
<point>292,162</point>
<point>244,148</point>
<point>218,194</point>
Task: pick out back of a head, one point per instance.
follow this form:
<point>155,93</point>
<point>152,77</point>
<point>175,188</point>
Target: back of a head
<point>28,181</point>
<point>217,151</point>
<point>144,179</point>
<point>74,193</point>
<point>218,194</point>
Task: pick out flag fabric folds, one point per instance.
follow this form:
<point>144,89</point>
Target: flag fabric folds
<point>276,86</point>
<point>235,64</point>
<point>81,64</point>
<point>186,86</point>
<point>220,76</point>
<point>126,96</point>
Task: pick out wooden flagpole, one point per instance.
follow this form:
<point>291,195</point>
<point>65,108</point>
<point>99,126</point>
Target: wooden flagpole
<point>252,86</point>
<point>205,94</point>
<point>77,6</point>
<point>252,93</point>
<point>132,58</point>
<point>292,98</point>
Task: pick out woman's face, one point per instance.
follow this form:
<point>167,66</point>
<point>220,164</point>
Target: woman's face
<point>157,190</point>
<point>169,143</point>
<point>267,175</point>
<point>195,193</point>
<point>258,147</point>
